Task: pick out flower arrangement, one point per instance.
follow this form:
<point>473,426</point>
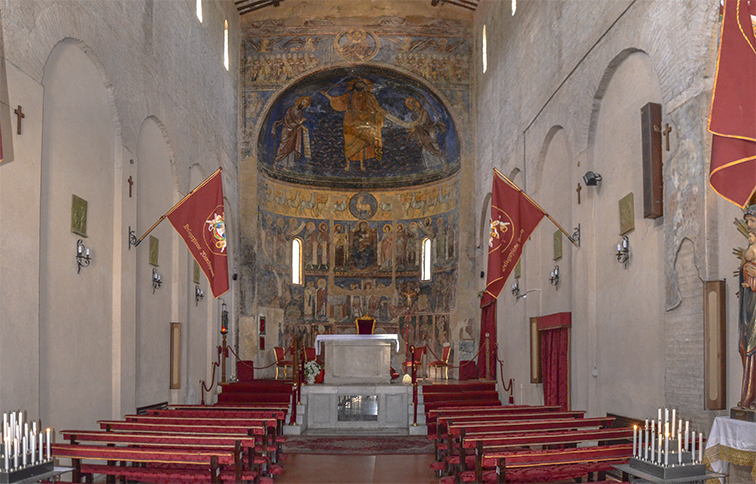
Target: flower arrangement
<point>312,370</point>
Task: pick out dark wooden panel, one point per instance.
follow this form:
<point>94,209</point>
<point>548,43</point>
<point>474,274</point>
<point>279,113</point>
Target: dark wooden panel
<point>653,184</point>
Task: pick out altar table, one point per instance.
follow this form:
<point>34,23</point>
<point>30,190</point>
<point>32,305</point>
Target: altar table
<point>357,359</point>
<point>731,442</point>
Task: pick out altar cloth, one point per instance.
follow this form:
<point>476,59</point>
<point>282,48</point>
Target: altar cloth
<point>354,337</point>
<point>731,441</point>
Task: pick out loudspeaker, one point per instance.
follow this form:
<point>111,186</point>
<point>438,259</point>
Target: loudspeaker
<point>653,183</point>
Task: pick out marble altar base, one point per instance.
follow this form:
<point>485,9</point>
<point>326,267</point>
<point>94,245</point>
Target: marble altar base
<point>386,406</point>
<point>357,361</point>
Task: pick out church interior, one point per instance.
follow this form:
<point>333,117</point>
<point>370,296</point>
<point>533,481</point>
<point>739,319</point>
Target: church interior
<point>358,142</point>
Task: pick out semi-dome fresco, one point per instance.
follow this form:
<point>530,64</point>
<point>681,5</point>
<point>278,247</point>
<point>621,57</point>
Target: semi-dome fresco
<point>358,127</point>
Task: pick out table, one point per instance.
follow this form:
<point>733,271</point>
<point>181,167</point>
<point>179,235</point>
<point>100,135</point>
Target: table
<point>357,359</point>
<point>731,442</point>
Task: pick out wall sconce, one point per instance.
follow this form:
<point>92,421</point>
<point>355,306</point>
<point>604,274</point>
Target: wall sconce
<point>82,255</point>
<point>576,235</point>
<point>199,295</point>
<point>554,278</point>
<point>623,251</point>
<point>591,179</point>
<point>224,318</point>
<point>516,289</point>
<point>157,280</point>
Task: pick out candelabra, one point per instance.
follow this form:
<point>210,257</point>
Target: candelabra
<point>25,449</point>
<point>82,255</point>
<point>623,251</point>
<point>516,289</point>
<point>199,295</point>
<point>554,278</point>
<point>157,280</point>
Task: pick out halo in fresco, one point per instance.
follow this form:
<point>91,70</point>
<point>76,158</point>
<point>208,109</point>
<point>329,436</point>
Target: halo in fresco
<point>358,127</point>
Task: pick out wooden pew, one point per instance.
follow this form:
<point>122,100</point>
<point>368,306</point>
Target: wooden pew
<point>562,464</point>
<point>433,414</point>
<point>191,466</point>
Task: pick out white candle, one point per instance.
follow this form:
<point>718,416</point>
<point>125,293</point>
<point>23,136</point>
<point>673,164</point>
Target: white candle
<point>679,448</point>
<point>47,441</point>
<point>6,452</point>
<point>645,449</point>
<point>23,452</point>
<point>15,453</point>
<point>659,414</point>
<point>34,427</point>
<point>666,415</point>
<point>41,439</point>
<point>673,421</point>
<point>635,440</point>
<point>5,425</point>
<point>12,429</point>
<point>659,450</point>
<point>666,449</point>
<point>653,443</point>
<point>700,446</point>
<point>33,448</point>
<point>687,423</point>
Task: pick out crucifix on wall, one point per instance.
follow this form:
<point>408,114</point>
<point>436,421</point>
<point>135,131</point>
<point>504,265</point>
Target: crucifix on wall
<point>131,184</point>
<point>20,113</point>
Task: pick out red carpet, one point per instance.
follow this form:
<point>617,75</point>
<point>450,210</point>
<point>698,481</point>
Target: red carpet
<point>357,445</point>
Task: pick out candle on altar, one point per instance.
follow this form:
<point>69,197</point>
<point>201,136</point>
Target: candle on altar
<point>659,450</point>
<point>47,441</point>
<point>666,415</point>
<point>15,453</point>
<point>659,414</point>
<point>673,421</point>
<point>645,449</point>
<point>635,440</point>
<point>12,429</point>
<point>24,446</point>
<point>33,448</point>
<point>679,448</point>
<point>700,446</point>
<point>41,448</point>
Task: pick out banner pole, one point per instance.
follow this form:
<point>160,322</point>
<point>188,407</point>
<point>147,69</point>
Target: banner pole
<point>511,183</point>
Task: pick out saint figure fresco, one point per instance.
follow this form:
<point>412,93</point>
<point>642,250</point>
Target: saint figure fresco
<point>294,142</point>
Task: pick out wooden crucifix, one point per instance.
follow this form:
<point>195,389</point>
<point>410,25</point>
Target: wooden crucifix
<point>131,184</point>
<point>19,112</point>
<point>579,187</point>
<point>666,132</point>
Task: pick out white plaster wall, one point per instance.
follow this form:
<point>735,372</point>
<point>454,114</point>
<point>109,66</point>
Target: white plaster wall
<point>78,157</point>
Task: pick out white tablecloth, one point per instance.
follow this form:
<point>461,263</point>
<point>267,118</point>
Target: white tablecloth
<point>731,441</point>
<point>354,337</point>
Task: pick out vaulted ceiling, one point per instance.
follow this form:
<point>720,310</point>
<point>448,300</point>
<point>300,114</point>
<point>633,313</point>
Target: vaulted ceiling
<point>248,6</point>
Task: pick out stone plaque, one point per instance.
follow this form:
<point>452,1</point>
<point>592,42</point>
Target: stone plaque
<point>79,216</point>
<point>196,278</point>
<point>627,214</point>
<point>557,245</point>
<point>154,250</point>
<point>518,269</point>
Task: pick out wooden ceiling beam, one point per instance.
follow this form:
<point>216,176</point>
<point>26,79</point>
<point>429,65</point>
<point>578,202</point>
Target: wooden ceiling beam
<point>460,3</point>
<point>257,5</point>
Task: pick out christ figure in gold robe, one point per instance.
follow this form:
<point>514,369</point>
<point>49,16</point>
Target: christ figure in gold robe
<point>363,121</point>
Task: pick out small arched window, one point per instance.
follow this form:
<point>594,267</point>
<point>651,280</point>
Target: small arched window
<point>425,269</point>
<point>296,261</point>
<point>199,10</point>
<point>484,50</point>
<point>225,46</point>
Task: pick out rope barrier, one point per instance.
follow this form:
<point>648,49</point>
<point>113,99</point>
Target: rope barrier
<point>212,382</point>
<point>239,360</point>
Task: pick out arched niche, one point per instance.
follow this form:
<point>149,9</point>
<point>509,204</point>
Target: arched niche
<point>155,193</point>
<point>631,306</point>
<point>76,317</point>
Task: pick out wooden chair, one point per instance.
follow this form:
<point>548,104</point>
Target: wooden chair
<point>365,325</point>
<point>310,353</point>
<point>442,363</point>
<point>407,365</point>
<point>281,361</point>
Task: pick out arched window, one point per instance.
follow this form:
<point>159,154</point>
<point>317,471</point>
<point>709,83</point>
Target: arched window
<point>296,261</point>
<point>199,10</point>
<point>484,50</point>
<point>225,46</point>
<point>425,269</point>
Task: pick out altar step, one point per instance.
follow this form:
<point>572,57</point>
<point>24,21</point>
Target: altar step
<point>256,391</point>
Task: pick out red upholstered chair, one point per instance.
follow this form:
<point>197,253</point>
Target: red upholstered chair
<point>281,361</point>
<point>442,363</point>
<point>407,365</point>
<point>365,325</point>
<point>310,353</point>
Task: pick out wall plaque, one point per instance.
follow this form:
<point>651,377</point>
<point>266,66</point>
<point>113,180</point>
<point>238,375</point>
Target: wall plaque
<point>518,269</point>
<point>627,214</point>
<point>175,356</point>
<point>79,216</point>
<point>196,277</point>
<point>557,245</point>
<point>154,250</point>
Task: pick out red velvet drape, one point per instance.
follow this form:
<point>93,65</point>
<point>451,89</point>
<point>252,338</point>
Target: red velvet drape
<point>487,325</point>
<point>555,366</point>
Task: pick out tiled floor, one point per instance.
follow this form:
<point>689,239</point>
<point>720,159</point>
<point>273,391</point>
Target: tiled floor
<point>357,469</point>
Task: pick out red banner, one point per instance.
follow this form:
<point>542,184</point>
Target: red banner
<point>514,216</point>
<point>199,219</point>
<point>732,119</point>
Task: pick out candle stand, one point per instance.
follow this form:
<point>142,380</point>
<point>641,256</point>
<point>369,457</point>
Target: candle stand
<point>23,473</point>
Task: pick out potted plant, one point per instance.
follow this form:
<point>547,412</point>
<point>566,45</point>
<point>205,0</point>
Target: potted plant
<point>312,369</point>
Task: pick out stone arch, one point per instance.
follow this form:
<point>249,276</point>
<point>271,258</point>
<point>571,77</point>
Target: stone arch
<point>538,175</point>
